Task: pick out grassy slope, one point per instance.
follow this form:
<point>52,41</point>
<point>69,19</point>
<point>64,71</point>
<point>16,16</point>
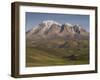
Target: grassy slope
<point>42,55</point>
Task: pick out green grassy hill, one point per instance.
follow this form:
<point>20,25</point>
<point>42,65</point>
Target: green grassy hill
<point>57,52</point>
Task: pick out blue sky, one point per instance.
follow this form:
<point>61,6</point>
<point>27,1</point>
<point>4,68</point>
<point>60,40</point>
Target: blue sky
<point>33,19</point>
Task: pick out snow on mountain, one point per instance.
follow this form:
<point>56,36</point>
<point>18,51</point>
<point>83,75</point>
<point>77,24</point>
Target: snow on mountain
<point>68,24</point>
<point>46,25</point>
<point>50,22</point>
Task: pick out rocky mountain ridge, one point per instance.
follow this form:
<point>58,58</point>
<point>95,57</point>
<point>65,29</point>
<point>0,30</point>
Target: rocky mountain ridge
<point>53,29</point>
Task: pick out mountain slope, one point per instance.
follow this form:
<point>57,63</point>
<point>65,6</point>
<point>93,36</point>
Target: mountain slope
<point>52,43</point>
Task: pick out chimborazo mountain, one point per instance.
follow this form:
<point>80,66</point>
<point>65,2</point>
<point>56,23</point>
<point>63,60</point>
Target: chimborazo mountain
<point>52,29</point>
<point>55,41</point>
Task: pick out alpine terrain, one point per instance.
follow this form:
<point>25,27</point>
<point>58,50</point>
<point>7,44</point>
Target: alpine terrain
<point>51,43</point>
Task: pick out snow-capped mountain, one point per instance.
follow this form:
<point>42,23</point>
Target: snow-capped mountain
<point>53,29</point>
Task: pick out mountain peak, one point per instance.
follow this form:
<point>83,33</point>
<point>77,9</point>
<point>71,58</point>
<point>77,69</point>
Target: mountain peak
<point>50,28</point>
<point>50,22</point>
<point>77,25</point>
<point>68,24</point>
